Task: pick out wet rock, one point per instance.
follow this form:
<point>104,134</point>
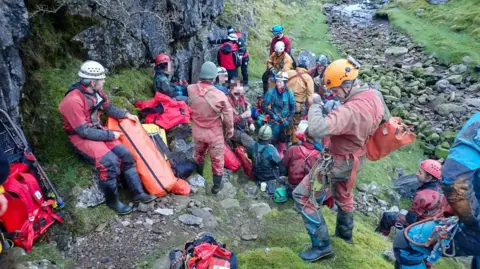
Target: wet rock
<point>163,211</point>
<point>41,264</point>
<point>230,203</point>
<point>475,102</point>
<point>455,79</point>
<point>446,109</point>
<point>209,220</point>
<point>260,209</point>
<point>197,181</point>
<point>188,219</point>
<point>89,197</point>
<point>396,51</point>
<point>444,85</point>
<point>228,191</point>
<point>146,207</point>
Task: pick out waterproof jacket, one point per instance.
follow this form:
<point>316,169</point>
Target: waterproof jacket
<point>314,72</point>
<point>301,84</point>
<point>81,113</point>
<point>428,202</point>
<point>285,39</point>
<point>280,104</point>
<point>461,171</point>
<point>351,124</point>
<point>162,84</point>
<point>280,63</point>
<point>265,161</point>
<point>221,87</point>
<point>225,55</point>
<point>242,46</point>
<point>299,160</point>
<point>239,106</point>
<point>210,108</point>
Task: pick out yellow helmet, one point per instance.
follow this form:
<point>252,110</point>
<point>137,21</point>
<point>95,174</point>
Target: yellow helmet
<point>339,71</point>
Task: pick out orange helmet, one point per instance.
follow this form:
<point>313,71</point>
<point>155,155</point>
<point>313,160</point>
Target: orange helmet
<point>339,71</point>
<point>432,167</point>
<point>162,58</point>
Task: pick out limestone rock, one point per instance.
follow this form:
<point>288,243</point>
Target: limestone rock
<point>260,209</point>
<point>445,109</point>
<point>163,211</point>
<point>396,51</point>
<point>228,191</point>
<point>230,203</point>
<point>209,220</point>
<point>475,102</point>
<point>188,219</point>
<point>455,79</point>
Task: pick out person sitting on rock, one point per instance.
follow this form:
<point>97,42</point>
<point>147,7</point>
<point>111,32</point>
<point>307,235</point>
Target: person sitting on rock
<point>266,162</point>
<point>211,112</point>
<point>243,122</point>
<point>278,36</point>
<point>301,84</point>
<point>80,109</point>
<point>279,103</point>
<point>316,73</point>
<point>221,80</point>
<point>279,61</point>
<point>428,201</point>
<point>348,128</point>
<point>161,81</point>
<point>300,159</point>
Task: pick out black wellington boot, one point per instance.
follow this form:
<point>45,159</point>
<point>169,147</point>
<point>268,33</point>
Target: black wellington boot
<point>344,228</point>
<point>135,185</point>
<point>200,167</point>
<point>217,184</point>
<point>109,188</point>
<point>318,233</point>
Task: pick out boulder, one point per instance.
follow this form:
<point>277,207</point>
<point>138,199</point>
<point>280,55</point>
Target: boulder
<point>396,51</point>
<point>230,203</point>
<point>458,69</point>
<point>228,191</point>
<point>437,2</point>
<point>260,209</point>
<point>475,102</point>
<point>455,79</point>
<point>209,220</point>
<point>474,88</point>
<point>445,109</point>
<point>188,219</point>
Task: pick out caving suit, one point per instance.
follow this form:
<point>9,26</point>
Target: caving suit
<point>283,106</point>
<point>241,125</point>
<point>281,63</point>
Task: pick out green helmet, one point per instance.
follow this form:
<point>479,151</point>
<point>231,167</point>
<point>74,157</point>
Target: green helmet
<point>280,195</point>
<point>208,71</point>
<point>265,132</point>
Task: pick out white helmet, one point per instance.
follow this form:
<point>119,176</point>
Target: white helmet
<point>279,46</point>
<point>221,71</point>
<point>232,37</point>
<point>92,70</point>
<point>281,76</point>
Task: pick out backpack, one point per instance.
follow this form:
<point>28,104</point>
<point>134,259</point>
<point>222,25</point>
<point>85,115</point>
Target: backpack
<point>390,136</point>
<point>203,253</point>
<point>28,215</point>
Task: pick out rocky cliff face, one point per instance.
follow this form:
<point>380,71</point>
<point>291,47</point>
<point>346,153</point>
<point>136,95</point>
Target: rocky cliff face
<point>13,18</point>
<point>132,32</point>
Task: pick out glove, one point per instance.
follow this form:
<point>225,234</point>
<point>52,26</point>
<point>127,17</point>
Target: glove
<point>317,99</point>
<point>286,123</point>
<point>331,105</point>
<point>252,128</point>
<point>246,114</point>
<point>230,133</point>
<point>273,71</point>
<point>275,117</point>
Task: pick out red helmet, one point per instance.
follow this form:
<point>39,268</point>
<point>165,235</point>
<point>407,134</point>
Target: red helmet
<point>432,167</point>
<point>162,58</point>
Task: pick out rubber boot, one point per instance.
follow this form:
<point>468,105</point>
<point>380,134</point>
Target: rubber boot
<point>281,149</point>
<point>217,184</point>
<point>200,168</point>
<point>344,227</point>
<point>318,232</point>
<point>135,185</point>
<point>109,188</point>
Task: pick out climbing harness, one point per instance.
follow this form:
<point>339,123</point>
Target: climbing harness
<point>318,177</point>
<point>441,237</point>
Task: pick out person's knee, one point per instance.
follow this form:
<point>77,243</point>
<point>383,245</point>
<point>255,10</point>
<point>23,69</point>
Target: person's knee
<point>109,166</point>
<point>125,156</point>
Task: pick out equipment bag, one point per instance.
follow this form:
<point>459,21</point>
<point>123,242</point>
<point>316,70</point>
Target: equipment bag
<point>206,253</point>
<point>389,137</point>
<point>245,161</point>
<point>231,161</point>
<point>28,215</point>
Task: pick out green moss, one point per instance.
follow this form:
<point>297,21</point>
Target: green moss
<point>48,252</point>
<point>449,30</point>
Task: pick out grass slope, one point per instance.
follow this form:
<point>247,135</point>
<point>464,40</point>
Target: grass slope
<point>451,31</point>
<point>304,23</point>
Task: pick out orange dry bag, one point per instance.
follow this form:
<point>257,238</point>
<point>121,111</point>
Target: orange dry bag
<point>155,172</point>
<point>389,137</point>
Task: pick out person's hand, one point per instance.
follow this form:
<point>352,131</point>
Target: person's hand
<point>317,99</point>
<point>230,133</point>
<point>246,114</point>
<point>252,127</point>
<point>331,105</point>
<point>3,204</point>
<point>285,123</point>
<point>132,117</point>
<point>117,135</point>
<point>276,118</point>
